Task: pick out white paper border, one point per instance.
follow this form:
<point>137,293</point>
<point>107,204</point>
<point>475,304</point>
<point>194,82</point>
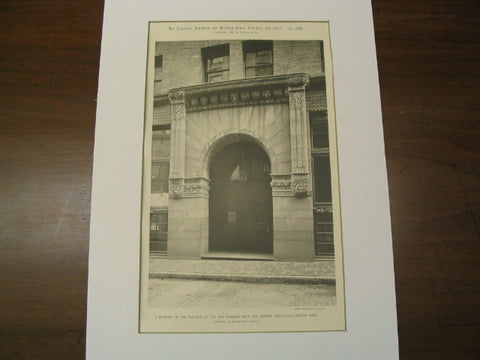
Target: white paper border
<point>112,322</point>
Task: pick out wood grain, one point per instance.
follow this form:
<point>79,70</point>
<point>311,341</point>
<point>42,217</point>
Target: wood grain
<point>49,53</point>
<point>428,58</point>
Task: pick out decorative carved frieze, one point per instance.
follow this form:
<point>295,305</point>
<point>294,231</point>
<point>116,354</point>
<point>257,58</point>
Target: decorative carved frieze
<point>298,185</point>
<point>189,188</point>
<point>281,185</point>
<point>233,98</point>
<point>196,187</point>
<point>242,92</point>
<point>301,185</point>
<point>227,94</point>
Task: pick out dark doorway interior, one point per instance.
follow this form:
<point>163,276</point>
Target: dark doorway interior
<point>240,203</point>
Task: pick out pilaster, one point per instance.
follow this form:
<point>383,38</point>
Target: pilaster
<point>301,177</point>
<point>177,153</point>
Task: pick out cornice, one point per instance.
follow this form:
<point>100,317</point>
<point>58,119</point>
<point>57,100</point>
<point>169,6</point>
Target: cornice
<point>242,92</point>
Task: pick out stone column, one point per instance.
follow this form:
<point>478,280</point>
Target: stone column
<point>188,204</point>
<point>177,153</point>
<point>292,201</point>
<point>300,153</point>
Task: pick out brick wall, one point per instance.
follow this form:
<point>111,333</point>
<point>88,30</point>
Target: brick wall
<point>297,57</point>
<point>183,64</point>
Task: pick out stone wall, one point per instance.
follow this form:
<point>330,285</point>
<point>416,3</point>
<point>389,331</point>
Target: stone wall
<point>268,123</point>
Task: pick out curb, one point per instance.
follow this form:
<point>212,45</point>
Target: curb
<point>270,279</point>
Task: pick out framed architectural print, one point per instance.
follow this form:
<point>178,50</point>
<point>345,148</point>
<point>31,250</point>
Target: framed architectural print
<point>239,201</point>
<point>241,225</point>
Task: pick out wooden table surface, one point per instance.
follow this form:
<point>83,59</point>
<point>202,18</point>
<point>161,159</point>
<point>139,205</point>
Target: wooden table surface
<point>428,59</point>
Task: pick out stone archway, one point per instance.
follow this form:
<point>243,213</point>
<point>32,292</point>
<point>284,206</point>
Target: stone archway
<point>223,139</point>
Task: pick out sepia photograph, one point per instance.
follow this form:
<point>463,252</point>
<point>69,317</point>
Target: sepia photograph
<point>241,225</point>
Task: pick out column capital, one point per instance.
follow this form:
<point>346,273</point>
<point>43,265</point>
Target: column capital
<point>298,83</point>
<point>301,185</point>
<point>176,97</point>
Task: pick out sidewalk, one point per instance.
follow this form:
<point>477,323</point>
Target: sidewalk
<point>318,272</point>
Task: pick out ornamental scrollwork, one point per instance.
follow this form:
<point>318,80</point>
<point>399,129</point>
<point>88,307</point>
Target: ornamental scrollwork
<point>297,99</point>
<point>176,97</point>
<point>178,112</point>
<point>197,187</point>
<point>301,186</point>
<point>298,83</point>
<point>177,101</point>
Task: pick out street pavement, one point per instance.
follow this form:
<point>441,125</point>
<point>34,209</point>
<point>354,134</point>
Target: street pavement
<point>211,294</point>
<point>240,283</point>
<point>244,270</point>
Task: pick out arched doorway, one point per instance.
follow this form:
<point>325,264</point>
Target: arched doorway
<point>240,204</point>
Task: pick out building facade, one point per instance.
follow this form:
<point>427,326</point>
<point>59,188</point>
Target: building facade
<point>240,155</point>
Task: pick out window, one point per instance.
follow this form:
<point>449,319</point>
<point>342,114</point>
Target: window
<point>322,56</point>
<point>322,184</point>
<point>216,62</point>
<point>158,75</point>
<point>160,172</point>
<point>160,159</point>
<point>158,232</point>
<point>258,58</point>
<point>322,179</point>
<point>324,234</point>
<point>319,132</point>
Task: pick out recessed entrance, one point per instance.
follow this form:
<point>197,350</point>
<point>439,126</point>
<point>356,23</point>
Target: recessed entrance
<point>240,205</point>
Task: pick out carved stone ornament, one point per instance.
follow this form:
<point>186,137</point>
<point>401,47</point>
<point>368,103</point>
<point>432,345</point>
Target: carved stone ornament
<point>176,97</point>
<point>176,188</point>
<point>178,112</point>
<point>196,187</point>
<point>234,98</point>
<point>301,186</point>
<point>298,83</point>
<point>281,185</point>
<point>297,99</point>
